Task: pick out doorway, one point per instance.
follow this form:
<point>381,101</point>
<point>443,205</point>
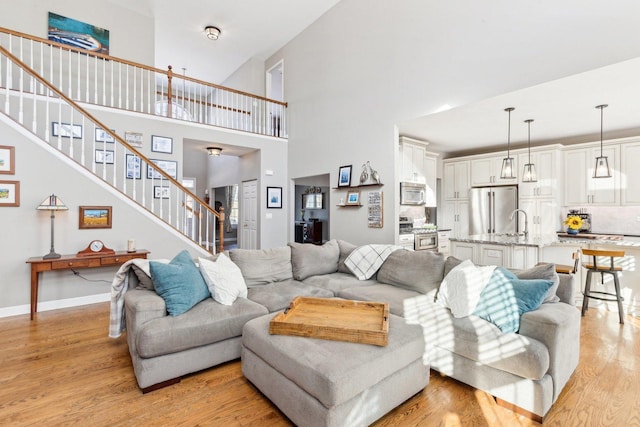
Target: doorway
<point>275,81</point>
<point>249,215</point>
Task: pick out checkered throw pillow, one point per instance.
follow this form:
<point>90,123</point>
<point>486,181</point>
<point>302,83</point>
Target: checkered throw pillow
<point>365,260</point>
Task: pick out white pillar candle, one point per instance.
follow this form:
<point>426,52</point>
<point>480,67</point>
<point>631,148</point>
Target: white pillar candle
<point>131,245</point>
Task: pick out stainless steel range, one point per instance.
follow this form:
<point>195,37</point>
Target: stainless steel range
<point>426,239</point>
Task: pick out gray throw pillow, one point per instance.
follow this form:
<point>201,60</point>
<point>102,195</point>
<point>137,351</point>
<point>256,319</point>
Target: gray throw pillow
<point>345,250</point>
<point>546,272</point>
<point>450,263</point>
<point>263,266</point>
<point>419,271</point>
<point>310,260</point>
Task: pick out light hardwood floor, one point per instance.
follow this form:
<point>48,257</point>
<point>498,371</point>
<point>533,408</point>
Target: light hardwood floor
<point>62,369</point>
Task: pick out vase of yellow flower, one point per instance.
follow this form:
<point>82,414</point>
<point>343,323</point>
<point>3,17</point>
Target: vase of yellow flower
<point>573,223</point>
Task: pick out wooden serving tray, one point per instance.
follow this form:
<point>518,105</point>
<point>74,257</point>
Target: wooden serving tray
<point>334,319</point>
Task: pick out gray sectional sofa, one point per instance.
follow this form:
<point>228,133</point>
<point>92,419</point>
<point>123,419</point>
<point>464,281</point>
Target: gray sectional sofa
<point>527,370</point>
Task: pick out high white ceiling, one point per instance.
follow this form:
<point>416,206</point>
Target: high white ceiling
<point>249,28</point>
<point>563,111</point>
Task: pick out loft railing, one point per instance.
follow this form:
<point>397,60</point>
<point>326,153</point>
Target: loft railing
<point>99,79</point>
<point>41,108</point>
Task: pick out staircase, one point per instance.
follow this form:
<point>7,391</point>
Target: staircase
<point>42,87</point>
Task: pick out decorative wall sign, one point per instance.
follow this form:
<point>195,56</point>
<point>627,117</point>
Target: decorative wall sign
<point>9,193</point>
<point>134,139</point>
<point>274,197</point>
<point>78,34</point>
<point>7,160</point>
<point>95,217</point>
<point>375,210</point>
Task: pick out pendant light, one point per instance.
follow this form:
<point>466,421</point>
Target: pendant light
<point>529,174</point>
<point>602,163</point>
<point>508,163</point>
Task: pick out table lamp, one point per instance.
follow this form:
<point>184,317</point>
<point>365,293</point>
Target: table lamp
<point>52,203</point>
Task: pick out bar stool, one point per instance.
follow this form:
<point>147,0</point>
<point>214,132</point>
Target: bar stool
<point>602,269</point>
<point>565,268</point>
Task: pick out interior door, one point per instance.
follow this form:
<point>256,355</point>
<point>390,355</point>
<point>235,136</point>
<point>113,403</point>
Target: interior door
<point>249,215</point>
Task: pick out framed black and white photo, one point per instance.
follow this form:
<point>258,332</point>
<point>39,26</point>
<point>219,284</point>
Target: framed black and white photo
<point>170,167</point>
<point>66,130</point>
<point>160,192</point>
<point>134,139</point>
<point>103,136</point>
<point>161,144</point>
<point>274,197</point>
<point>133,167</point>
<point>344,176</point>
<point>104,156</point>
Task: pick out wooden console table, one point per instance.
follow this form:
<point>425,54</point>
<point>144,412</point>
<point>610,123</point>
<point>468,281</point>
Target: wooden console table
<point>71,262</point>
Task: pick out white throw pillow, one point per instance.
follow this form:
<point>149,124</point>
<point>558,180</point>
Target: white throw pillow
<point>460,289</point>
<point>364,261</point>
<point>223,278</point>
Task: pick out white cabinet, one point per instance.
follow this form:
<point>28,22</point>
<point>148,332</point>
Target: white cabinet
<point>486,171</point>
<point>523,257</point>
<point>546,163</point>
<point>456,180</point>
<point>455,215</point>
<point>580,188</point>
<point>493,255</point>
<point>443,242</point>
<point>509,256</point>
<point>543,216</point>
<point>419,165</point>
<point>464,250</point>
<point>630,174</point>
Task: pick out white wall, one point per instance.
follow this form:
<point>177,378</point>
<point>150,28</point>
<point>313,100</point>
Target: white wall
<point>365,66</point>
<point>250,77</point>
<point>131,34</point>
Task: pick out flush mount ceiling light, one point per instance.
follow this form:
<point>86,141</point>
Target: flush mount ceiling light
<point>602,163</point>
<point>507,162</point>
<point>529,174</point>
<point>214,151</point>
<point>212,32</point>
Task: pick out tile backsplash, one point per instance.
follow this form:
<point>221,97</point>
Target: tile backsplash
<point>611,219</point>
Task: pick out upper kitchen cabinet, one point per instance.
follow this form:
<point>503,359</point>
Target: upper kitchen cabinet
<point>630,174</point>
<point>546,163</point>
<point>580,188</point>
<point>486,171</point>
<point>456,180</point>
<point>419,165</point>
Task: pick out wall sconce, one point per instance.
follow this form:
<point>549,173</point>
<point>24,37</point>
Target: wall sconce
<point>212,32</point>
<point>52,203</point>
<point>214,151</point>
<point>507,163</point>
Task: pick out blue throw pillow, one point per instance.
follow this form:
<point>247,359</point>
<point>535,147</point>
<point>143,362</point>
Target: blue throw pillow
<point>179,283</point>
<point>506,298</point>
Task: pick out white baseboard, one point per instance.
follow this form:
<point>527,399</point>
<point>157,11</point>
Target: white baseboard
<point>55,305</point>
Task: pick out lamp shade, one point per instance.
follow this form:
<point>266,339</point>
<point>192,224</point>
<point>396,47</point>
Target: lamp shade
<point>602,168</point>
<point>507,168</point>
<point>52,203</point>
<point>529,174</point>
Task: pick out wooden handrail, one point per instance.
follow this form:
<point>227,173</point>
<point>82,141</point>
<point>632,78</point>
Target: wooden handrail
<point>107,129</point>
<point>135,64</point>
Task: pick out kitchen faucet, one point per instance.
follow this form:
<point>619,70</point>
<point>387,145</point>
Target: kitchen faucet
<point>526,221</point>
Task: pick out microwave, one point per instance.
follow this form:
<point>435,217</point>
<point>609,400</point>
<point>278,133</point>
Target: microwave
<point>412,193</point>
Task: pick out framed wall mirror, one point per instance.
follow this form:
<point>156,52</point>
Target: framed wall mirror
<point>312,201</point>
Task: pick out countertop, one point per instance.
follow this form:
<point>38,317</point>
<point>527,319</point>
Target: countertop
<point>549,239</point>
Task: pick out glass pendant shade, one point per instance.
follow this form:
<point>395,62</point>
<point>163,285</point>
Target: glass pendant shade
<point>602,162</point>
<point>507,168</point>
<point>529,174</point>
<point>508,165</point>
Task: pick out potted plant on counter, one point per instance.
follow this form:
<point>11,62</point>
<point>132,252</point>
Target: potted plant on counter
<point>573,223</point>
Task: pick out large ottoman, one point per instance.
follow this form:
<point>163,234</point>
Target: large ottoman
<point>319,382</point>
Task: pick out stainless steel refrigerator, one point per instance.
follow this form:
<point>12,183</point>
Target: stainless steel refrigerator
<point>490,209</point>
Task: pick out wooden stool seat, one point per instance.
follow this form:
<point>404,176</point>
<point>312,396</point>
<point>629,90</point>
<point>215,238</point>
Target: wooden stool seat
<point>603,269</point>
<point>566,269</point>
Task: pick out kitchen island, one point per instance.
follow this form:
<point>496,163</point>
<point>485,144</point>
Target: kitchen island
<point>519,252</point>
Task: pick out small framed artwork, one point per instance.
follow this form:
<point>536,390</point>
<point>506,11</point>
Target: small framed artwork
<point>95,217</point>
<point>274,197</point>
<point>103,136</point>
<point>66,130</point>
<point>7,160</point>
<point>161,144</point>
<point>353,197</point>
<point>9,193</point>
<point>104,156</point>
<point>344,176</point>
<point>133,167</point>
<point>170,167</point>
<point>160,192</point>
<point>134,139</point>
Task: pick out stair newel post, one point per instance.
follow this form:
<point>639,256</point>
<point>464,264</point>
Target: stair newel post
<point>169,92</point>
<point>221,229</point>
